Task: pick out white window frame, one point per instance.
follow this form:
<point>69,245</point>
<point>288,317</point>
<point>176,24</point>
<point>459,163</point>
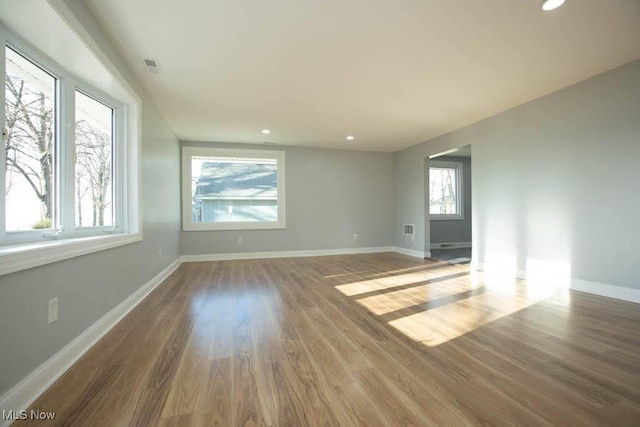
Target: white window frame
<point>21,250</point>
<point>459,166</point>
<point>187,155</point>
<point>117,161</point>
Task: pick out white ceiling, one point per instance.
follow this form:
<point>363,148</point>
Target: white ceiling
<point>40,25</point>
<point>393,73</point>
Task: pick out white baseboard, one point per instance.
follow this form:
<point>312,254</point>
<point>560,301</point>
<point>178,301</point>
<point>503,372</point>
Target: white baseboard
<point>33,385</point>
<point>456,245</point>
<point>602,289</point>
<point>303,253</point>
<point>595,288</point>
<point>411,252</point>
<point>285,254</point>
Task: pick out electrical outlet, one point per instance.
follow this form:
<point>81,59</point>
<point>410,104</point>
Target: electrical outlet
<point>240,240</point>
<point>53,310</point>
<point>355,236</point>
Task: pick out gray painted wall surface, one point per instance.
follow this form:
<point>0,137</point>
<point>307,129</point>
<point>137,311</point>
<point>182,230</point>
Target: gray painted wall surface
<point>89,286</point>
<point>555,180</point>
<point>331,194</point>
<point>446,231</point>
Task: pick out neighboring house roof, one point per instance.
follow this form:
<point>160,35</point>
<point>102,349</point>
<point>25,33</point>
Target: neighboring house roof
<point>223,180</point>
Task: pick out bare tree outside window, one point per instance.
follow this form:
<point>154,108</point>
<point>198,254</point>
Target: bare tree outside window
<point>94,138</point>
<point>443,191</point>
<point>30,150</point>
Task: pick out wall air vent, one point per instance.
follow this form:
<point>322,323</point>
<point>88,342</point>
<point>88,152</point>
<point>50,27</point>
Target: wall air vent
<point>152,65</point>
<point>408,229</point>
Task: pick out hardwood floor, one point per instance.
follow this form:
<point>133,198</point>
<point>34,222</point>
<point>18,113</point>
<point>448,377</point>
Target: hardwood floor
<point>372,340</point>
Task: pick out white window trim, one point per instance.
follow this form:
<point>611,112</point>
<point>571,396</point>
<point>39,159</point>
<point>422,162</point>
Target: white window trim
<point>20,250</point>
<point>189,152</point>
<point>459,166</point>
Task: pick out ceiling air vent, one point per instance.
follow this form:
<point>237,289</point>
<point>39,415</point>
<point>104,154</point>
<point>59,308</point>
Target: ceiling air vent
<point>152,65</point>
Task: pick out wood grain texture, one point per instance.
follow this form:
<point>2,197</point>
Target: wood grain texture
<point>368,340</point>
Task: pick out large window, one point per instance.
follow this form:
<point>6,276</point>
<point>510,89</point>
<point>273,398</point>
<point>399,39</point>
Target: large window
<point>445,190</point>
<point>232,189</point>
<point>57,183</point>
<point>64,163</point>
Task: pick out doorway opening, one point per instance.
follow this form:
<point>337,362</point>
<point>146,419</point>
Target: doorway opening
<point>449,188</point>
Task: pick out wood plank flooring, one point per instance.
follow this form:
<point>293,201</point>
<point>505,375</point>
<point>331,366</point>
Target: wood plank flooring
<point>370,340</point>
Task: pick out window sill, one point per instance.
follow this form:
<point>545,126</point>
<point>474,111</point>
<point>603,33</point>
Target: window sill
<point>229,226</point>
<point>445,217</point>
<point>22,257</point>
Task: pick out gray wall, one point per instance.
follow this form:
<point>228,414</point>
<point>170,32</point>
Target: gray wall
<point>455,230</point>
<point>555,180</point>
<point>331,194</point>
<point>89,286</point>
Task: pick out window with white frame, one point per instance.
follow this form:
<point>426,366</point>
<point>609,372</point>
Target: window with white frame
<point>63,166</point>
<point>445,190</point>
<point>31,144</point>
<point>94,138</point>
<point>232,189</point>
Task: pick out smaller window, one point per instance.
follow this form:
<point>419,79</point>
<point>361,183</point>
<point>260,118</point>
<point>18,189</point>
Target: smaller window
<point>232,189</point>
<point>93,162</point>
<point>445,190</point>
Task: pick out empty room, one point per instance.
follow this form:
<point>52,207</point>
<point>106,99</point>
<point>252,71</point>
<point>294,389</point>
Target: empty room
<point>304,213</point>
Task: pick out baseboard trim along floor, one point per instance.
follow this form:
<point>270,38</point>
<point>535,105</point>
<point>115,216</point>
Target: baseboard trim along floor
<point>37,382</point>
<point>33,385</point>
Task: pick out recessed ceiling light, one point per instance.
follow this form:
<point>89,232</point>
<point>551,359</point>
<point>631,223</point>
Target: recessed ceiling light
<point>266,131</point>
<point>548,5</point>
<point>351,138</point>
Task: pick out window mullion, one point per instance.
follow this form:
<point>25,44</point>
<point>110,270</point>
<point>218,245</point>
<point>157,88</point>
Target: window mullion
<point>67,154</point>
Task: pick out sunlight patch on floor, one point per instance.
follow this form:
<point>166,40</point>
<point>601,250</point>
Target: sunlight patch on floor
<point>421,294</point>
<point>381,273</point>
<point>447,306</point>
<point>366,286</point>
<point>434,327</point>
